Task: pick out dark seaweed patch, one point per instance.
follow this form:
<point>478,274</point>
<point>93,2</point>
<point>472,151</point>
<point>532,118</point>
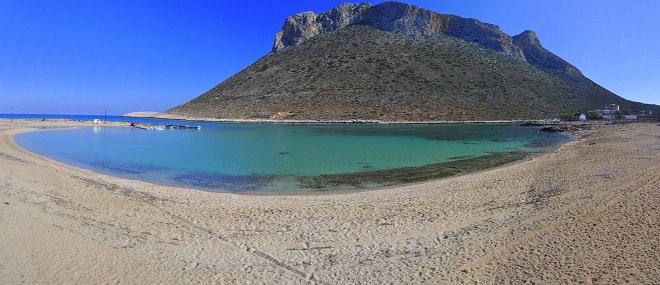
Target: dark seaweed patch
<point>432,132</point>
<point>236,183</point>
<point>361,180</point>
<point>122,168</point>
<point>461,157</point>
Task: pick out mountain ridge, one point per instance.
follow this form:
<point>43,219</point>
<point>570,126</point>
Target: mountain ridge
<point>394,62</point>
<point>408,19</point>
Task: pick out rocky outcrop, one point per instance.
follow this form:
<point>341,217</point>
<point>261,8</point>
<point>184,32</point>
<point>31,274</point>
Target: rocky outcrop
<point>407,19</point>
<point>393,17</point>
<point>563,129</point>
<point>301,27</point>
<point>535,54</point>
<point>404,19</point>
<point>486,35</point>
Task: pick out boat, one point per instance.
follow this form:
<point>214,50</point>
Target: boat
<point>183,127</point>
<point>150,128</point>
<point>163,127</point>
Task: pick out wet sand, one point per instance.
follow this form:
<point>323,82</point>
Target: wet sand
<point>589,212</point>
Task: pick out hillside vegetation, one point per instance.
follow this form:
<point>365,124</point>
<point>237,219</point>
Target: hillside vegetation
<point>360,72</point>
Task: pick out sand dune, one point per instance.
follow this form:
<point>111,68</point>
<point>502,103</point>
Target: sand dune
<point>588,212</point>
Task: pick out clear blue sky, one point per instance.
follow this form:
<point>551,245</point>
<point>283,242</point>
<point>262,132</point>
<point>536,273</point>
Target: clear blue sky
<point>78,57</point>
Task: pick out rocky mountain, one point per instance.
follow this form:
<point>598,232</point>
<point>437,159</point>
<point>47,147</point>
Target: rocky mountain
<point>395,61</point>
<point>301,27</point>
<point>406,19</point>
<point>535,54</point>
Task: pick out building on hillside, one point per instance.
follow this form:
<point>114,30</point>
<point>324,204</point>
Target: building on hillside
<point>612,108</point>
<point>582,117</point>
<point>630,117</point>
<point>609,116</point>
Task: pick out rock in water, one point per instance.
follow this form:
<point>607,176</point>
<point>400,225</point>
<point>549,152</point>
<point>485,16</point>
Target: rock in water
<point>561,129</point>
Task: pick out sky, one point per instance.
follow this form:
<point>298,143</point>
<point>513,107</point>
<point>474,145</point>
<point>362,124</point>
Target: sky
<point>88,56</point>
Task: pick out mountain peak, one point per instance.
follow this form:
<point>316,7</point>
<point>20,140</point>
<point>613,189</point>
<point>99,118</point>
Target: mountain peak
<point>537,55</point>
<point>528,36</point>
<point>395,61</point>
<point>395,17</point>
<point>406,19</point>
<point>301,27</point>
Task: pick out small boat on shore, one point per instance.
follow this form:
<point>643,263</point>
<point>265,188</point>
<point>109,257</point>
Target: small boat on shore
<point>182,127</point>
<point>163,127</point>
<point>148,127</point>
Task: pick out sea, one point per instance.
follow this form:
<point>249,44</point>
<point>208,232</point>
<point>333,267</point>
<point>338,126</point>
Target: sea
<point>267,158</point>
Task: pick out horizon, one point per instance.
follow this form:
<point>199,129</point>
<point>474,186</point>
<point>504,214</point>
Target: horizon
<point>76,57</point>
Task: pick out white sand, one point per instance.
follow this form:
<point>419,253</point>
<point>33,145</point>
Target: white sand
<point>588,212</point>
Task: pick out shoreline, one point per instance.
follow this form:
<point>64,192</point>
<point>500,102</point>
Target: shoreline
<point>163,116</point>
<point>340,191</point>
<point>18,146</point>
<point>571,215</point>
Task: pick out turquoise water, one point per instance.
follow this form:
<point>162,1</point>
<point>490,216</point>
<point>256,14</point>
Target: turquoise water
<point>274,157</point>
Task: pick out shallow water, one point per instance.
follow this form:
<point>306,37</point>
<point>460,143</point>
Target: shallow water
<point>286,158</point>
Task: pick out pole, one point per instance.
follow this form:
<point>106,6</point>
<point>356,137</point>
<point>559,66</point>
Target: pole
<point>105,115</point>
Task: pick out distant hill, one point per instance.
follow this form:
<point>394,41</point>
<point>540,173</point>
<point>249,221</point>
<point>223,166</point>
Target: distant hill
<point>141,114</point>
<point>397,62</point>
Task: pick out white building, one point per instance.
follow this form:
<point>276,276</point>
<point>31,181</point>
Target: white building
<point>609,116</point>
<point>612,108</point>
<point>630,117</point>
<point>582,117</point>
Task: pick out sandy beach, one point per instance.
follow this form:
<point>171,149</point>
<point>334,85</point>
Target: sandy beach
<point>588,212</point>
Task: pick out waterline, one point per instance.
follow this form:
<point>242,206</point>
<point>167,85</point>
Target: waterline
<point>290,158</point>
